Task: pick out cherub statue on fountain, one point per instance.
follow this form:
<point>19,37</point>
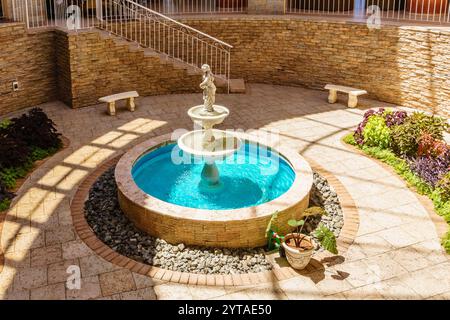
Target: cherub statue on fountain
<point>209,89</point>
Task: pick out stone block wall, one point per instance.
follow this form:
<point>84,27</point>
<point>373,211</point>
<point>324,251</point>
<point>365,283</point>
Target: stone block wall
<point>100,66</point>
<point>402,65</point>
<point>408,66</point>
<point>29,59</point>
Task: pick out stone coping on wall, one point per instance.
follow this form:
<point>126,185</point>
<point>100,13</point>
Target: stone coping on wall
<point>280,271</point>
<point>299,190</point>
<point>411,25</point>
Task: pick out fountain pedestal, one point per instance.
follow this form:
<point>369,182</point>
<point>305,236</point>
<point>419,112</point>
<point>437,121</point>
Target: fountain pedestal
<point>210,174</point>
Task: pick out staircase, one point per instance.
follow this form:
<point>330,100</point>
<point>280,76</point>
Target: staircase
<point>172,42</point>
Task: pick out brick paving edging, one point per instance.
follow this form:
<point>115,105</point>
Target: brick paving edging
<point>86,234</point>
<point>19,184</point>
<point>439,222</point>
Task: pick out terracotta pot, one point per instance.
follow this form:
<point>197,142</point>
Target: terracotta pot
<point>427,6</point>
<point>298,259</point>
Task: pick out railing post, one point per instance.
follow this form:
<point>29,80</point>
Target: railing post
<point>27,18</point>
<point>99,9</point>
<point>229,70</point>
<point>14,9</point>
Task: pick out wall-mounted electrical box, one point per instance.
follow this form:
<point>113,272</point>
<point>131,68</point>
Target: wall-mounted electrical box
<point>15,85</point>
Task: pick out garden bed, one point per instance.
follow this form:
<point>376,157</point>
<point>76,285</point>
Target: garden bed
<point>413,146</point>
<point>25,143</point>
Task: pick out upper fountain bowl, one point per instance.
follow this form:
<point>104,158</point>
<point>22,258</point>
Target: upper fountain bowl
<point>224,144</point>
<point>206,119</point>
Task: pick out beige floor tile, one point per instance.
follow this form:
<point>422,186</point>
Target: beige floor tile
<point>90,289</point>
<point>50,292</point>
<point>116,282</point>
<point>172,291</point>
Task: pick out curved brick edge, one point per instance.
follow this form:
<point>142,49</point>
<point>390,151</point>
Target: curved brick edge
<point>439,222</point>
<point>19,183</point>
<point>86,234</point>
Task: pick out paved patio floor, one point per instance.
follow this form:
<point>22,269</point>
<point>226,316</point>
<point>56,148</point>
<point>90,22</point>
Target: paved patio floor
<point>396,254</point>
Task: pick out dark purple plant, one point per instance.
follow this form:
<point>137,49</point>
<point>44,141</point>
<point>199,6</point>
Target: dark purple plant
<point>395,118</point>
<point>430,169</point>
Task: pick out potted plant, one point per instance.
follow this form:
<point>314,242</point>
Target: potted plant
<point>299,247</point>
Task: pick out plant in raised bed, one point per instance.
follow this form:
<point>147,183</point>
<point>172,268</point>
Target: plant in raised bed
<point>23,141</point>
<point>299,247</point>
<point>406,137</point>
<point>13,152</point>
<point>376,133</point>
<point>274,239</point>
<point>430,169</point>
<point>35,129</point>
<point>417,152</point>
<point>5,197</point>
<point>429,146</point>
<point>443,187</point>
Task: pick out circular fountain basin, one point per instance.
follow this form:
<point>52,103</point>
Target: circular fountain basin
<point>167,200</point>
<point>202,118</point>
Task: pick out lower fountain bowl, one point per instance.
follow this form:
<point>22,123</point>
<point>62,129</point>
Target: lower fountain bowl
<point>235,213</point>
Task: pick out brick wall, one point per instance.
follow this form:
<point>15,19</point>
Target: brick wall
<point>400,65</point>
<point>29,59</point>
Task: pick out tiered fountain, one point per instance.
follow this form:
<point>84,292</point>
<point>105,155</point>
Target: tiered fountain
<point>226,193</point>
<point>208,143</point>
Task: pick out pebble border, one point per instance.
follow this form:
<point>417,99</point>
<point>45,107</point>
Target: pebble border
<point>86,234</point>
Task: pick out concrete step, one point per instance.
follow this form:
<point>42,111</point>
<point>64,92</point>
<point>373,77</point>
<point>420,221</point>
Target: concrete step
<point>237,86</point>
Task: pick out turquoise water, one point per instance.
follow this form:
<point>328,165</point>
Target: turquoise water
<point>249,177</point>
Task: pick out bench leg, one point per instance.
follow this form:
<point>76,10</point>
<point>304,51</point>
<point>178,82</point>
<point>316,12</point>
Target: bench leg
<point>352,101</point>
<point>332,96</point>
<point>130,104</point>
<point>112,108</point>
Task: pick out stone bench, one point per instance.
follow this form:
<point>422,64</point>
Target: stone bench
<point>111,101</point>
<point>353,94</point>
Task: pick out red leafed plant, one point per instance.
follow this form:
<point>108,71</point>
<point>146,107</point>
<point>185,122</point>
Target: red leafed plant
<point>429,146</point>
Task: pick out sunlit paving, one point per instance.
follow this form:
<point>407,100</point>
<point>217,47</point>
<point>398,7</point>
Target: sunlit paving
<point>224,150</point>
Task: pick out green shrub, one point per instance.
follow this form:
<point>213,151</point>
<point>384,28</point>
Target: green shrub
<point>5,123</point>
<point>4,205</point>
<point>376,133</point>
<point>443,187</point>
<point>326,238</point>
<point>350,139</point>
<point>39,153</point>
<point>406,137</point>
<point>9,175</point>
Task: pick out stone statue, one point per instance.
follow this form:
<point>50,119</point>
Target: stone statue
<point>209,89</point>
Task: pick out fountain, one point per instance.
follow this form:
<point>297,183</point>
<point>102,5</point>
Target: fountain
<point>208,143</point>
<point>225,195</point>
